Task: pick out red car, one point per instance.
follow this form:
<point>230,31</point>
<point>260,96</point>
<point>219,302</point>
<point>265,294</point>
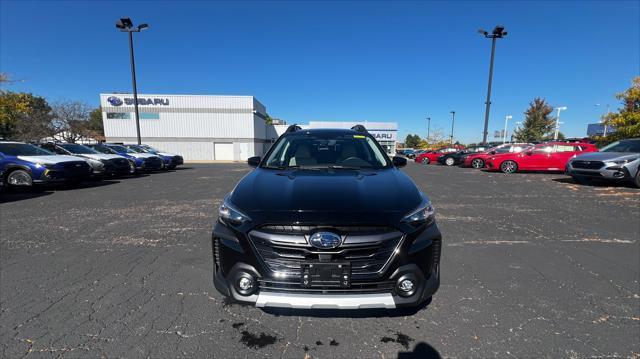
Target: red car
<point>550,156</point>
<point>477,160</point>
<point>432,156</point>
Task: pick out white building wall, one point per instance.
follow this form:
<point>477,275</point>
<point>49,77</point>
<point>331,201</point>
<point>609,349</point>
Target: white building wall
<point>190,125</point>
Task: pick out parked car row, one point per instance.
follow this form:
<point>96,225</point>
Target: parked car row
<point>24,164</point>
<point>619,161</point>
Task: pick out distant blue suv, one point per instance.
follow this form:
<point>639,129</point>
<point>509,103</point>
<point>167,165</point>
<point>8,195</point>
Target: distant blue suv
<point>170,160</point>
<point>22,164</point>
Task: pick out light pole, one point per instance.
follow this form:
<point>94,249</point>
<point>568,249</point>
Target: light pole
<point>453,121</point>
<point>428,128</point>
<point>555,136</point>
<point>126,25</point>
<point>504,135</point>
<point>497,33</point>
<point>604,121</point>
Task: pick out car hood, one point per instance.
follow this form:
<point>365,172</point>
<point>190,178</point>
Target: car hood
<point>327,191</point>
<point>99,156</point>
<point>53,159</point>
<point>141,155</point>
<point>607,156</point>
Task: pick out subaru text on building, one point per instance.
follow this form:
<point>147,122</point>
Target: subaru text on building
<point>327,220</point>
<point>619,161</point>
<point>25,165</point>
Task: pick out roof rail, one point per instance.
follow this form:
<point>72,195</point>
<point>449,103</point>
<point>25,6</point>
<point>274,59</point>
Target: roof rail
<point>293,128</point>
<point>359,128</point>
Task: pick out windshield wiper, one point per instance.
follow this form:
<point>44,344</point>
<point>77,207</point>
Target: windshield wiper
<point>341,167</point>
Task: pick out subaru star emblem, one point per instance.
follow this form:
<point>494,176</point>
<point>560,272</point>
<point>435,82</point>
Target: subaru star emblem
<point>325,240</point>
<point>115,101</point>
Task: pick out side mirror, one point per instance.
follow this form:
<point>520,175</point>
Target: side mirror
<point>254,161</point>
<point>399,161</point>
<point>528,153</point>
<point>493,152</point>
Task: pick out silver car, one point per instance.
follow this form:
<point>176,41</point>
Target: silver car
<point>619,161</point>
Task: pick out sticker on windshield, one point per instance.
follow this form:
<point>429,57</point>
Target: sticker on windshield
<point>358,136</point>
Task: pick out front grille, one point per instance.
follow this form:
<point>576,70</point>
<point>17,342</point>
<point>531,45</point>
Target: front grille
<point>588,165</point>
<point>153,162</point>
<point>74,169</point>
<point>367,249</point>
<point>117,165</point>
<point>178,160</point>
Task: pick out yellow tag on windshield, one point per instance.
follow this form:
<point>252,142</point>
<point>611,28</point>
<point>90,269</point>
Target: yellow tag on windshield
<point>358,136</point>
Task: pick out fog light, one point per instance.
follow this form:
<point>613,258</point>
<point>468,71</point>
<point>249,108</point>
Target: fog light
<point>245,283</point>
<point>406,285</point>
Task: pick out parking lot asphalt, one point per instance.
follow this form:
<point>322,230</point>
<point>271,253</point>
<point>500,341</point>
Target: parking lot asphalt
<point>533,266</point>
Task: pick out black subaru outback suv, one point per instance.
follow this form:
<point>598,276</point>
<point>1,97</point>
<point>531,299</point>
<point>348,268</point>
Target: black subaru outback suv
<point>326,220</point>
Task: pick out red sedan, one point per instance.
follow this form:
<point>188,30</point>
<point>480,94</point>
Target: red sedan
<point>550,156</point>
<point>477,160</point>
<point>432,156</point>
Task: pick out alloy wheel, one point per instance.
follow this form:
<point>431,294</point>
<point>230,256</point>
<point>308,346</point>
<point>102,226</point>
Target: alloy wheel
<point>477,163</point>
<point>449,161</point>
<point>19,178</point>
<point>508,167</point>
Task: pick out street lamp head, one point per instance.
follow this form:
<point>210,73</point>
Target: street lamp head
<point>562,108</point>
<point>143,27</point>
<point>453,112</point>
<point>125,22</point>
<point>483,32</point>
<point>119,24</point>
<point>508,117</point>
<point>498,31</point>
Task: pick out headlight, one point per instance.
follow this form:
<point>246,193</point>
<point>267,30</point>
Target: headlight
<point>423,214</point>
<point>229,214</point>
<point>45,165</point>
<point>624,162</point>
<point>95,163</point>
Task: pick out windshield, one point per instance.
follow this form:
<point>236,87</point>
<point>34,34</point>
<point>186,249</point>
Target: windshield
<point>120,149</point>
<point>136,149</point>
<point>104,149</point>
<point>77,149</point>
<point>327,151</point>
<point>23,149</point>
<point>632,146</point>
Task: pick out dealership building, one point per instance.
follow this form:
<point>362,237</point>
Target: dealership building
<point>198,127</point>
<point>207,127</point>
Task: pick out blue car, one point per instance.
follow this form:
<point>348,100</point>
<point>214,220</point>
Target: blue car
<point>145,162</point>
<point>23,164</point>
<point>170,160</point>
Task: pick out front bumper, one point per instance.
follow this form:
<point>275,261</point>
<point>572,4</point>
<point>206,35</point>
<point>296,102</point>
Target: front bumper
<point>417,257</point>
<point>608,171</point>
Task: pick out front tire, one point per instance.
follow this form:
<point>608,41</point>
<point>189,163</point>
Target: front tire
<point>19,178</point>
<point>477,163</point>
<point>509,167</point>
<point>450,161</point>
<point>637,180</point>
<point>425,161</point>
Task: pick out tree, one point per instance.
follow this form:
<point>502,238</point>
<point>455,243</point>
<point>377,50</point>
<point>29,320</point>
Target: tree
<point>70,119</point>
<point>94,126</point>
<point>538,124</point>
<point>24,116</point>
<point>627,121</point>
<point>412,141</point>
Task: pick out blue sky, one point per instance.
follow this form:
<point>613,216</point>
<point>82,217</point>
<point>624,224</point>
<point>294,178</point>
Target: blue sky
<point>375,61</point>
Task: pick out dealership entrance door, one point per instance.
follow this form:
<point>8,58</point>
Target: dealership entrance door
<point>223,151</point>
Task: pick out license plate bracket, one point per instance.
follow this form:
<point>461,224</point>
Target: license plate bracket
<point>326,274</point>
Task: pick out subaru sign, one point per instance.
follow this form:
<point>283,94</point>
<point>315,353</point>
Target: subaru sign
<point>142,101</point>
<point>325,240</point>
<point>114,101</point>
